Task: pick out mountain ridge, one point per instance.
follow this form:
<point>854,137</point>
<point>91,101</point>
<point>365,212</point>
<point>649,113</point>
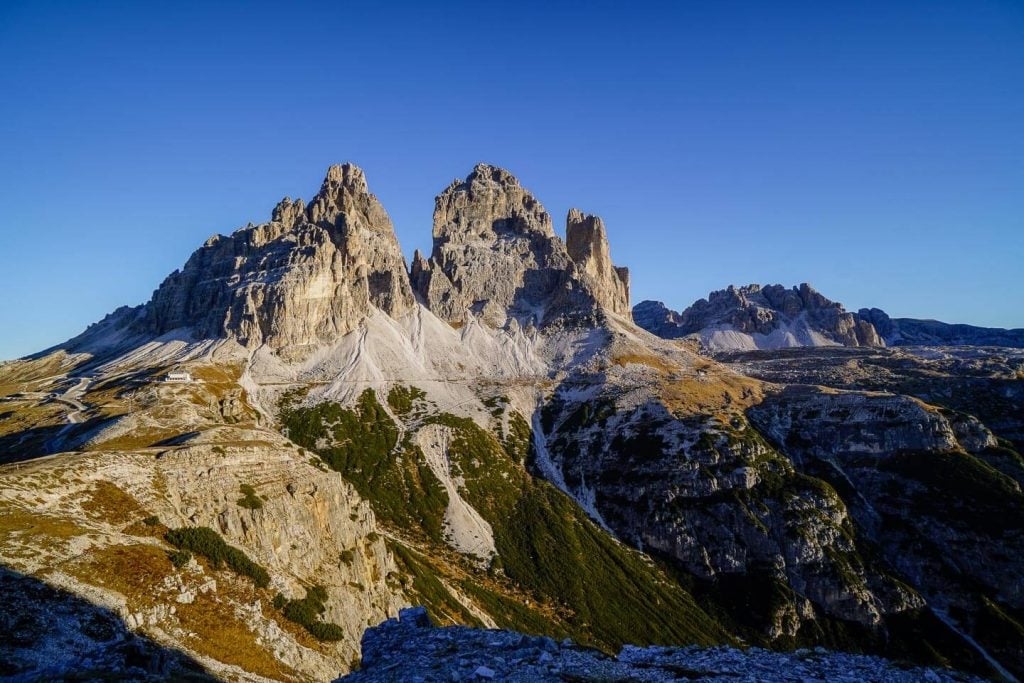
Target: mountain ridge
<point>772,316</point>
<point>500,441</point>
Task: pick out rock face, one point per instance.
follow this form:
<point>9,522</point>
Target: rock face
<point>716,498</point>
<point>409,648</point>
<point>587,242</point>
<point>772,317</point>
<point>767,317</point>
<point>911,332</point>
<point>934,509</point>
<point>496,255</point>
<point>311,274</point>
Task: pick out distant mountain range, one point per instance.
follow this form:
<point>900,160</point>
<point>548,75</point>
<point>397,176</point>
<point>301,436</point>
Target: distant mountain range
<point>774,317</point>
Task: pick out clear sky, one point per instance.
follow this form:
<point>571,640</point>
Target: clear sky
<point>874,149</point>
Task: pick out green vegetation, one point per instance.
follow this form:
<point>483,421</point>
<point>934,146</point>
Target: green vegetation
<point>519,439</point>
<point>496,405</point>
<point>307,612</point>
<point>208,543</point>
<point>152,520</point>
<point>428,588</point>
<point>583,582</point>
<point>961,490</point>
<point>249,498</point>
<point>401,399</point>
<point>347,556</point>
<point>180,558</point>
<point>364,448</point>
<point>550,547</point>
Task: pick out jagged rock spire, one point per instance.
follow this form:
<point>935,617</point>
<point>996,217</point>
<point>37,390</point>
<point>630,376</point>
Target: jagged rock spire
<point>587,243</point>
<point>496,255</point>
<point>309,275</point>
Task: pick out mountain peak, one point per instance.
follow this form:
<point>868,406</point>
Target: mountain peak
<point>762,316</point>
<point>345,174</point>
<point>488,203</point>
<point>587,243</point>
<point>309,275</point>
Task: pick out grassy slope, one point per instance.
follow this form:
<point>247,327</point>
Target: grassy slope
<point>557,572</point>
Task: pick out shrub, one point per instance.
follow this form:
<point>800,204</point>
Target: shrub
<point>219,450</point>
<point>249,499</point>
<point>362,443</point>
<point>152,520</point>
<point>307,611</point>
<point>401,399</point>
<point>347,556</point>
<point>208,543</point>
<point>180,558</point>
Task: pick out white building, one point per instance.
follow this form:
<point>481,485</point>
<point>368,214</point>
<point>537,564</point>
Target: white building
<point>179,377</point>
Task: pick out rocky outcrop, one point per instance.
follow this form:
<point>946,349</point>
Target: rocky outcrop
<point>756,317</point>
<point>772,317</point>
<point>496,256</point>
<point>309,275</point>
<point>659,319</point>
<point>946,520</point>
<point>915,332</point>
<point>587,243</point>
<point>411,648</point>
<point>717,499</point>
<point>305,526</point>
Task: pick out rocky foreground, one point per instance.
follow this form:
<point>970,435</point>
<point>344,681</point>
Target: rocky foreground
<point>410,648</point>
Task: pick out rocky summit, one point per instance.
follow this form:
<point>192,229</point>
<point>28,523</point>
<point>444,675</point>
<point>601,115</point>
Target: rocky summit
<point>774,317</point>
<point>410,649</point>
<point>300,435</point>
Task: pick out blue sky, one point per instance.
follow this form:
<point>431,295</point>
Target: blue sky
<point>875,150</point>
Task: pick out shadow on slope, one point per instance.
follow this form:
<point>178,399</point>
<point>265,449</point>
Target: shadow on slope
<point>51,634</point>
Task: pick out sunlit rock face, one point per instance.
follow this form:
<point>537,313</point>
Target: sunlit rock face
<point>310,274</point>
<point>761,317</point>
<point>496,256</point>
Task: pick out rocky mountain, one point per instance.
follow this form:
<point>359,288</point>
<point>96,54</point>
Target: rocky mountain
<point>410,648</point>
<point>490,435</point>
<point>496,257</point>
<point>756,317</point>
<point>914,332</point>
<point>309,275</point>
<point>774,317</point>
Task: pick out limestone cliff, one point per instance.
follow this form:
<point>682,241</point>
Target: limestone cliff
<point>309,275</point>
<point>496,255</point>
<point>587,243</point>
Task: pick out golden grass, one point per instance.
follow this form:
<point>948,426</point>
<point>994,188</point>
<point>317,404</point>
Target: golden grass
<point>658,363</point>
<point>108,503</point>
<point>224,636</point>
<point>131,570</point>
<point>135,571</point>
<point>14,375</point>
<point>716,393</point>
<point>19,522</point>
<point>706,388</point>
<point>136,439</point>
<point>19,416</point>
<point>214,374</point>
